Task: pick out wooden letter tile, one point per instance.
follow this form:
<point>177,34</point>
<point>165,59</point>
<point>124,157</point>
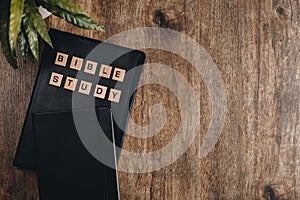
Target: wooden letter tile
<point>85,87</point>
<point>90,67</point>
<point>76,63</point>
<point>100,91</point>
<point>105,71</point>
<point>61,59</point>
<point>70,83</point>
<point>119,74</point>
<point>56,79</point>
<point>114,95</point>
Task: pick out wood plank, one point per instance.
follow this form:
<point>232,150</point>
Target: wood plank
<point>256,47</point>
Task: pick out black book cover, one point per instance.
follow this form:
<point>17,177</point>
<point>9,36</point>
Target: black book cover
<point>66,168</point>
<point>81,73</point>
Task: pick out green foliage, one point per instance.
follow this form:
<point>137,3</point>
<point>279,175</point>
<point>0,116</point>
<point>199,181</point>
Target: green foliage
<point>15,18</point>
<point>4,15</point>
<point>24,48</point>
<point>32,35</point>
<point>65,5</point>
<point>32,11</point>
<point>21,22</point>
<point>79,20</point>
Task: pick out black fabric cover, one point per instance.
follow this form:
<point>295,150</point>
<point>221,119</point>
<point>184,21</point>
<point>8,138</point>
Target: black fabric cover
<point>65,168</point>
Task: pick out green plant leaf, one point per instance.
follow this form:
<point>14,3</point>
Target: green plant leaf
<point>4,17</point>
<point>16,11</point>
<point>79,20</point>
<point>31,9</point>
<point>32,35</point>
<point>24,47</point>
<point>66,5</point>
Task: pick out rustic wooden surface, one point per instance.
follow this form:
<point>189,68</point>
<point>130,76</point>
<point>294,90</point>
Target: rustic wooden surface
<point>256,46</point>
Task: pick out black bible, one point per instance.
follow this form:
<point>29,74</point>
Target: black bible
<point>81,73</point>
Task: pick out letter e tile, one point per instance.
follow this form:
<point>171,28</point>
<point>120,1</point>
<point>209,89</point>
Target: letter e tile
<point>118,74</point>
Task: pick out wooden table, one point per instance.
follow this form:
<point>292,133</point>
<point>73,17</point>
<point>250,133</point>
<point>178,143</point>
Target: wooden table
<point>256,48</point>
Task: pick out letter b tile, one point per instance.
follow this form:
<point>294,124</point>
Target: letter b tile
<point>90,67</point>
<point>61,59</point>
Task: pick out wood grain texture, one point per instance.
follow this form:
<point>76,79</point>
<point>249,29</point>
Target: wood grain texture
<point>256,46</point>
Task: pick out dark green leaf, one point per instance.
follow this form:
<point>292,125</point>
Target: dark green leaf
<point>15,19</point>
<point>66,5</point>
<point>4,17</point>
<point>38,21</point>
<point>32,35</point>
<point>79,20</point>
<point>24,47</point>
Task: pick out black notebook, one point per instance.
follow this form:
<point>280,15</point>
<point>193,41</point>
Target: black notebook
<point>81,73</point>
<point>66,168</point>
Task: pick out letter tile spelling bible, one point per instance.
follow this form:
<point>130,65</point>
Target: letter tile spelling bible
<point>84,86</point>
